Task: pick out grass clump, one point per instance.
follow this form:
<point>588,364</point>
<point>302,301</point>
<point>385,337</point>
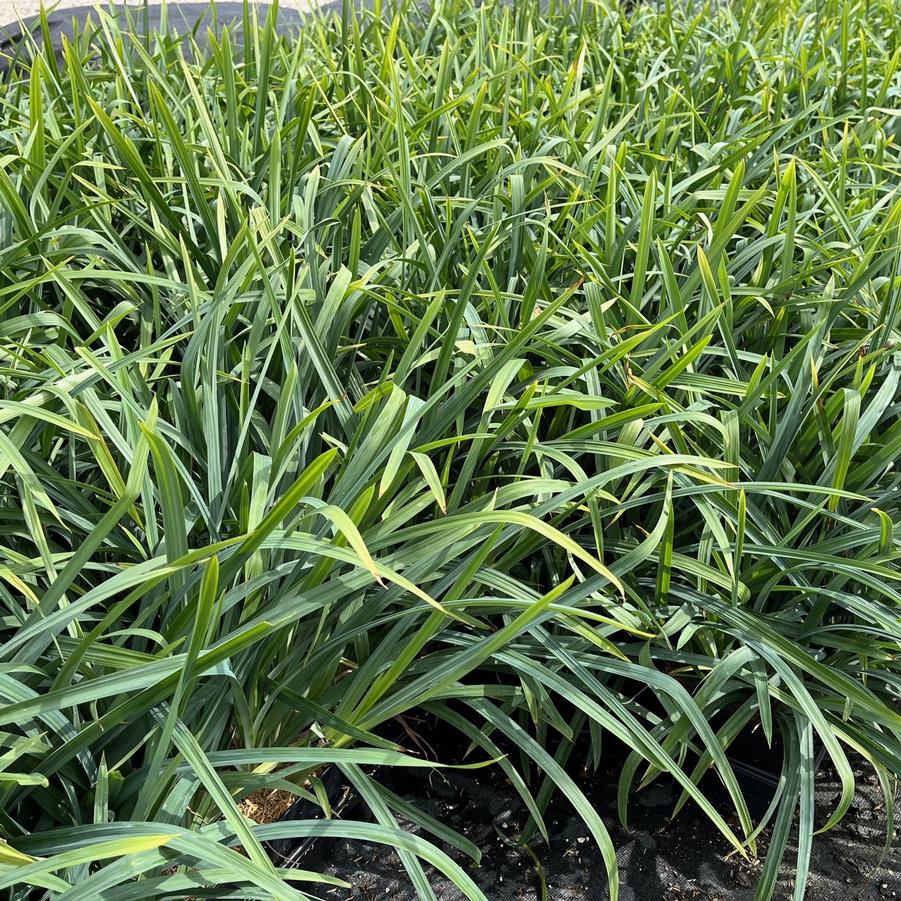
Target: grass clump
<point>533,369</point>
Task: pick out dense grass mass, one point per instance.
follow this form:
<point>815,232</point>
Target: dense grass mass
<point>534,370</point>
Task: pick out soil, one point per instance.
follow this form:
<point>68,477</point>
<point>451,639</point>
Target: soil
<point>685,859</point>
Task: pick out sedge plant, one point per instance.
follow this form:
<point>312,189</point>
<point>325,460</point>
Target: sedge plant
<point>530,367</point>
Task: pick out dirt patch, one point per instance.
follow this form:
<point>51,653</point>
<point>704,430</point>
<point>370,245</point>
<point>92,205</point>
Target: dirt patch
<point>683,859</point>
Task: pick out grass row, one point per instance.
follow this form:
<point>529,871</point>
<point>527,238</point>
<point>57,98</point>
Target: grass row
<point>534,369</point>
